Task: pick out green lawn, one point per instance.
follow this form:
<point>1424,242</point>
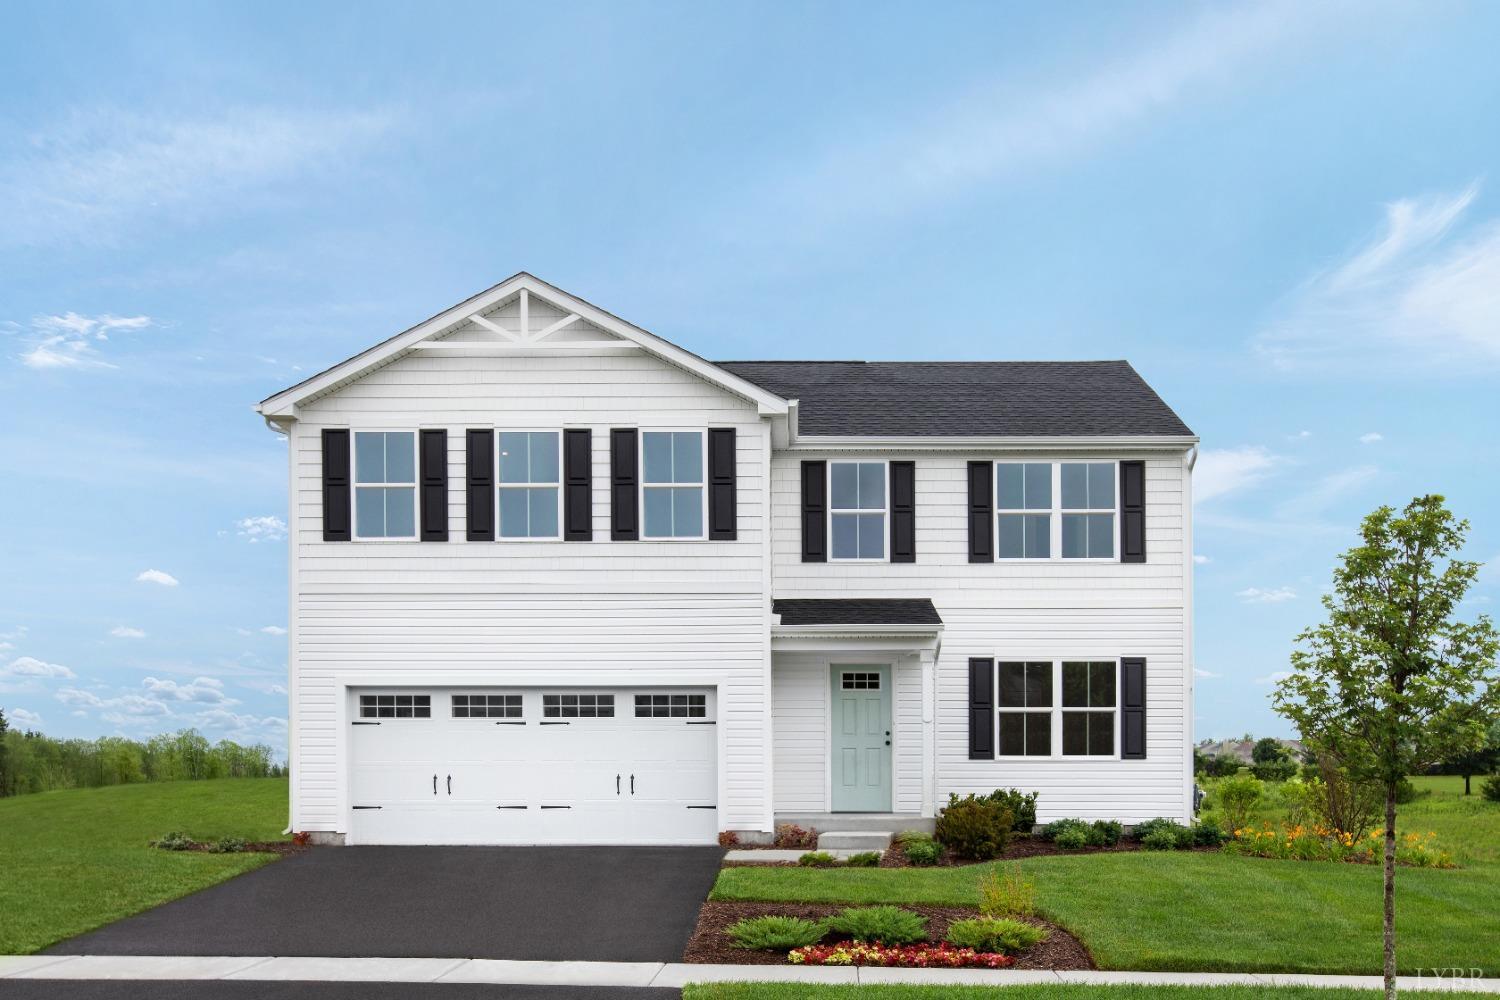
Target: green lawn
<point>810,991</point>
<point>75,860</point>
<point>1213,912</point>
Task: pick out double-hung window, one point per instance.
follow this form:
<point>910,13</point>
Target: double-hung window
<point>1050,708</point>
<point>672,484</point>
<point>385,484</point>
<point>1051,510</point>
<point>529,494</point>
<point>857,509</point>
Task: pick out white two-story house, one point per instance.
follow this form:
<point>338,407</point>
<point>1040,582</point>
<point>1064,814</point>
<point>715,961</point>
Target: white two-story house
<point>556,580</point>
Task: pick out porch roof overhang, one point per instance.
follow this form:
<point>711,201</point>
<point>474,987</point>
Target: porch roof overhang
<point>904,625</point>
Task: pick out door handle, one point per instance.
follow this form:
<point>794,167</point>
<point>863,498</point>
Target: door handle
<point>450,784</point>
<point>617,784</point>
<point>434,784</point>
<point>632,784</point>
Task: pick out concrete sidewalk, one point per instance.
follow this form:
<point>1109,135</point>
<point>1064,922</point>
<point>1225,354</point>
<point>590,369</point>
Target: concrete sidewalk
<point>632,974</point>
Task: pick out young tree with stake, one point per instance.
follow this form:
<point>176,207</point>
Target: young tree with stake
<point>1392,676</point>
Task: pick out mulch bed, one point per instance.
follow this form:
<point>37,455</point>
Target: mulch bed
<point>711,944</point>
<point>259,847</point>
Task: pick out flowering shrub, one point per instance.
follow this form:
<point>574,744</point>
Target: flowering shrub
<point>1317,843</point>
<point>790,836</point>
<point>302,838</point>
<point>911,956</point>
<point>728,838</point>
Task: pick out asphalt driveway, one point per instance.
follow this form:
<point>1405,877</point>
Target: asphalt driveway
<point>605,904</point>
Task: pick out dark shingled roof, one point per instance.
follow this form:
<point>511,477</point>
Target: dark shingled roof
<point>965,398</point>
<point>858,611</point>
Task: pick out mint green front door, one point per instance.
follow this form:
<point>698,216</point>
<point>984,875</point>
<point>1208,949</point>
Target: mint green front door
<point>861,742</point>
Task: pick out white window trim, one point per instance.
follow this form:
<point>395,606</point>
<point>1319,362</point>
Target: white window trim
<point>884,511</point>
<point>356,485</point>
<point>501,484</point>
<point>1056,511</point>
<point>642,486</point>
<point>1057,710</point>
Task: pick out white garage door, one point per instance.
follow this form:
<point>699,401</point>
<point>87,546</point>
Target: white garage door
<point>532,766</point>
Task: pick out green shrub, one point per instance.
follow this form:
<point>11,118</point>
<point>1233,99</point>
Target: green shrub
<point>174,842</point>
<point>1105,833</point>
<point>1006,892</point>
<point>864,859</point>
<point>990,935</point>
<point>1490,790</point>
<point>776,933</point>
<point>1208,834</point>
<point>1072,839</point>
<point>817,859</point>
<point>885,924</point>
<point>974,828</point>
<point>1160,839</point>
<point>1236,797</point>
<point>1058,827</point>
<point>1281,769</point>
<point>1022,805</point>
<point>1406,792</point>
<point>1163,828</point>
<point>790,836</point>
<point>922,851</point>
<point>227,845</point>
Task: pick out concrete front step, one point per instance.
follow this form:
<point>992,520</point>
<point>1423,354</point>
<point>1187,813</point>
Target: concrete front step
<point>854,840</point>
<point>877,822</point>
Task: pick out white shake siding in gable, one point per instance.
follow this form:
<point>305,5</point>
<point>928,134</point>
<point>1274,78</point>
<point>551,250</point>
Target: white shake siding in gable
<point>482,613</point>
<point>1017,610</point>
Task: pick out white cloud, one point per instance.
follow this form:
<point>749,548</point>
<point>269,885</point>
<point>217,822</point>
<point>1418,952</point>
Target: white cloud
<point>95,173</point>
<point>71,340</point>
<point>1204,673</point>
<point>156,576</point>
<point>24,717</point>
<point>242,728</point>
<point>206,690</point>
<point>74,698</point>
<point>1201,560</point>
<point>127,632</point>
<point>1275,595</point>
<point>1423,294</point>
<point>1326,492</point>
<point>1374,437</point>
<point>1272,678</point>
<point>1299,436</point>
<point>30,666</point>
<point>273,630</point>
<point>269,528</point>
<point>1221,471</point>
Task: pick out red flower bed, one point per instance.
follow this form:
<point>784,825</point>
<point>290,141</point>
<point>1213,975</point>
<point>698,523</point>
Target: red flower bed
<point>910,956</point>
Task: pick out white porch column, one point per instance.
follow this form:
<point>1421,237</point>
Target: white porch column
<point>928,659</point>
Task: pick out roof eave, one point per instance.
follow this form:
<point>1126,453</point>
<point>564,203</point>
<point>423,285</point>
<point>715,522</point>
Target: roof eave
<point>956,442</point>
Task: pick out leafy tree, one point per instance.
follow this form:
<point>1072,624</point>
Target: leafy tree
<point>4,757</point>
<point>1268,750</point>
<point>1476,760</point>
<point>1392,682</point>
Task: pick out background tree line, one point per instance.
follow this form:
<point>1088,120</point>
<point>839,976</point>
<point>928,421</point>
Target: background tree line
<point>33,762</point>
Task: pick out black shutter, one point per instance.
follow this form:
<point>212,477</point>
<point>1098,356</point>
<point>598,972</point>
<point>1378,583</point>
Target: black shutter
<point>814,512</point>
<point>578,485</point>
<point>721,488</point>
<point>336,488</point>
<point>624,496</point>
<point>1133,708</point>
<point>981,708</point>
<point>480,463</point>
<point>1132,512</point>
<point>434,476</point>
<point>903,512</point>
<point>981,512</point>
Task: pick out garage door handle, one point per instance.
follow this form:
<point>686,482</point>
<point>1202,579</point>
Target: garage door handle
<point>369,807</point>
<point>557,723</point>
<point>450,784</point>
<point>557,807</point>
<point>632,784</point>
<point>510,807</point>
<point>366,723</point>
<point>434,784</point>
<point>703,807</point>
<point>617,784</point>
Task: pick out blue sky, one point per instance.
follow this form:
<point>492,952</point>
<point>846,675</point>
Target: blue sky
<point>1286,215</point>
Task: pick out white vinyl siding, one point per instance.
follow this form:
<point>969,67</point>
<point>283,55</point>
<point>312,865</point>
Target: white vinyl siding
<point>681,612</point>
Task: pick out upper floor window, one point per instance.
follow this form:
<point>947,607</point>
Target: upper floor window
<point>1047,510</point>
<point>672,484</point>
<point>857,509</point>
<point>529,493</point>
<point>385,484</point>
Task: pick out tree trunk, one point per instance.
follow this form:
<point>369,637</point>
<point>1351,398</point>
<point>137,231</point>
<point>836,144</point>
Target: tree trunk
<point>1466,784</point>
<point>1390,890</point>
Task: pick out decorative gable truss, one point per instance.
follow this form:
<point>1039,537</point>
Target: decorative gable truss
<point>522,316</point>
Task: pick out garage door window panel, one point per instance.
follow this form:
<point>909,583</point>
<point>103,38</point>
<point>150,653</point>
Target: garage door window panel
<point>487,706</point>
<point>671,706</point>
<point>395,706</point>
<point>578,706</point>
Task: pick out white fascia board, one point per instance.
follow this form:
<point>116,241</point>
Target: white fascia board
<point>854,638</point>
<point>1173,443</point>
<point>283,403</point>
